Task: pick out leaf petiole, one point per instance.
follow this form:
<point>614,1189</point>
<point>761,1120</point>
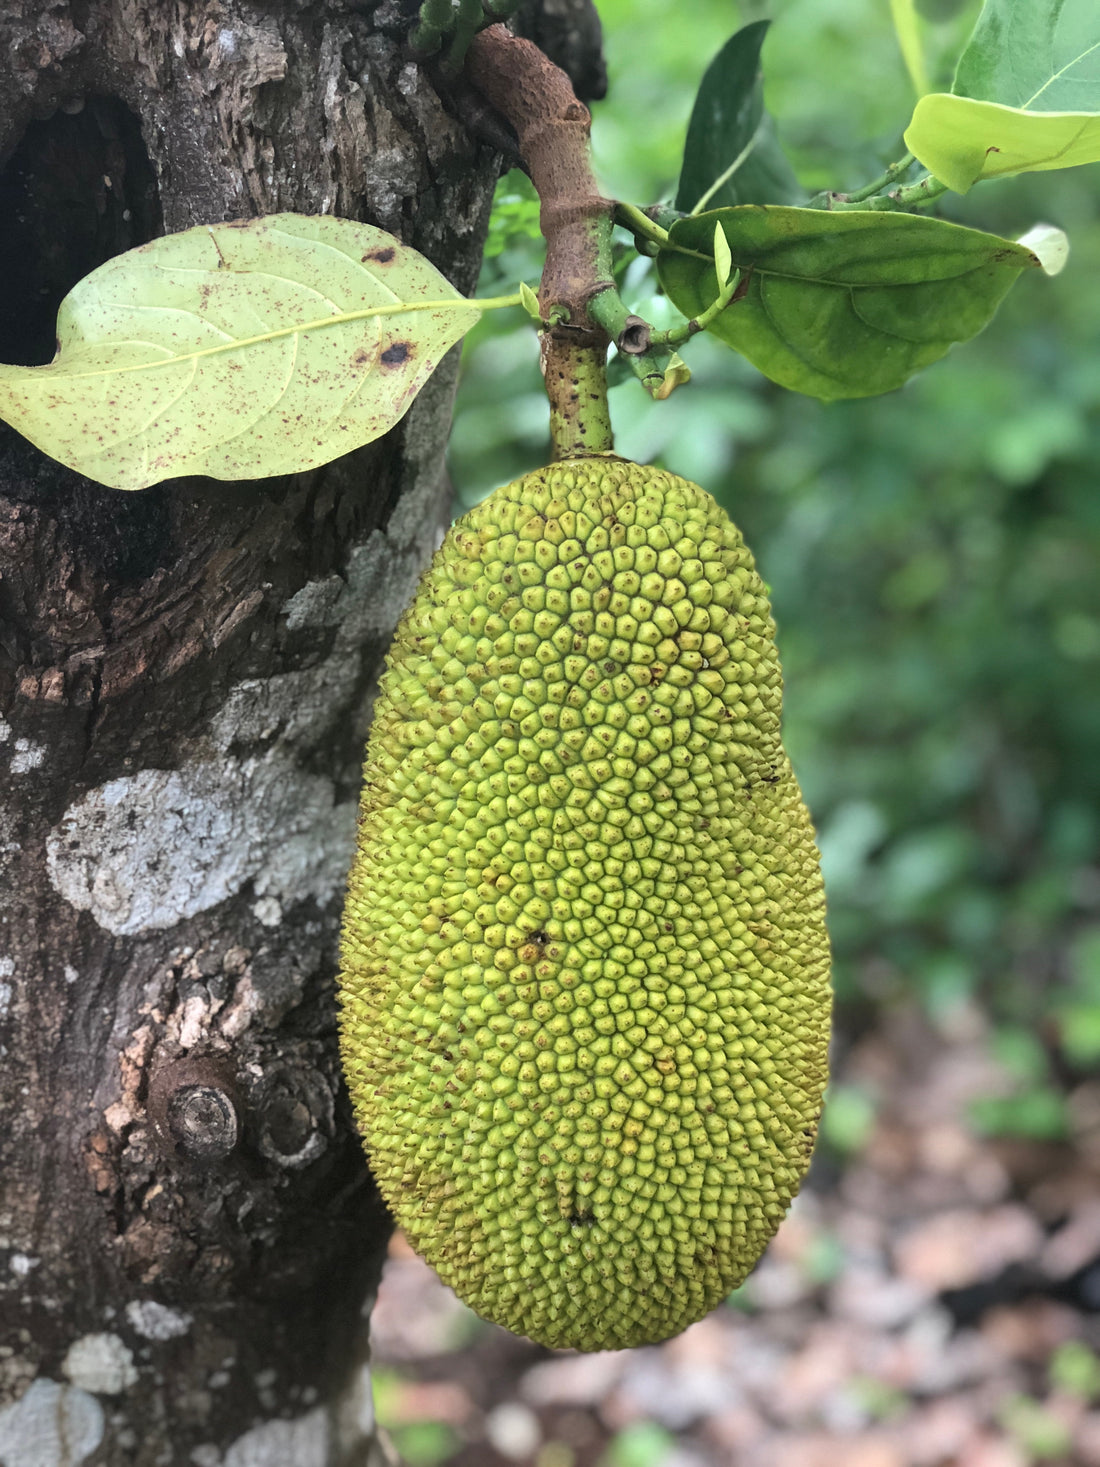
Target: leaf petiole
<point>640,225</point>
<point>496,302</point>
<point>892,174</point>
<point>677,335</point>
<point>910,196</point>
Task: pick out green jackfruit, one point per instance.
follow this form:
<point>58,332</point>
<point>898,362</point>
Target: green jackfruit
<point>585,999</point>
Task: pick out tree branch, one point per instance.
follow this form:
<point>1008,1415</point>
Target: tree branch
<point>552,128</point>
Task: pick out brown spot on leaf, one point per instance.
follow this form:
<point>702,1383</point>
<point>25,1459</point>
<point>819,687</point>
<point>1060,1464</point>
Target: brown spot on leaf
<point>396,355</point>
<point>380,257</point>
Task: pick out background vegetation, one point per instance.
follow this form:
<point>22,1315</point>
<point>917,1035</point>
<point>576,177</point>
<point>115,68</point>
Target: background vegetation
<point>934,555</point>
<point>934,560</point>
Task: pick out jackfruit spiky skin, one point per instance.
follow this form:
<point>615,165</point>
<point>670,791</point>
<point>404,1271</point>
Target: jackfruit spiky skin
<point>585,969</point>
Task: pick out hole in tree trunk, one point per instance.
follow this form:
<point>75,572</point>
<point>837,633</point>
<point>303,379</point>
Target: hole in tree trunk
<point>78,189</point>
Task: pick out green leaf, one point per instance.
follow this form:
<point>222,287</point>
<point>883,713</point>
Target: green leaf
<point>907,30</point>
<point>1042,56</point>
<point>730,138</point>
<point>1026,95</point>
<point>239,350</point>
<point>848,1119</point>
<point>723,260</point>
<point>425,1443</point>
<point>1080,1032</point>
<point>530,301</point>
<point>1039,1113</point>
<point>847,304</point>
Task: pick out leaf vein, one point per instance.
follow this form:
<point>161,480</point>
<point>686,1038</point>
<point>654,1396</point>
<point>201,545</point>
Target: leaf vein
<point>1057,76</point>
<point>785,342</point>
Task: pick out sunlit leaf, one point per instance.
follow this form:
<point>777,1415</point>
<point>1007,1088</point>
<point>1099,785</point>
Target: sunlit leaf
<point>240,351</point>
<point>723,260</point>
<point>846,304</point>
<point>961,140</point>
<point>1026,95</point>
<point>730,138</point>
<point>1049,245</point>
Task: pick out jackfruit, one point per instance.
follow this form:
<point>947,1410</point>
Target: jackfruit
<point>585,1001</point>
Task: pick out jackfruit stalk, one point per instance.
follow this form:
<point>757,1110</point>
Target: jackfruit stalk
<point>585,1000</point>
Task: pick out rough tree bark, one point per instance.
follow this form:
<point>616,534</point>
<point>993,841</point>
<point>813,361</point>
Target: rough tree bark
<point>188,1233</point>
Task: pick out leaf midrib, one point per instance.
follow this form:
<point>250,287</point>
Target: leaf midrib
<point>57,367</point>
<point>761,270</point>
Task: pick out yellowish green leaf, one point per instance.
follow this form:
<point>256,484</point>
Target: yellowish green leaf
<point>676,374</point>
<point>723,259</point>
<point>239,350</point>
<point>961,140</point>
<point>530,301</point>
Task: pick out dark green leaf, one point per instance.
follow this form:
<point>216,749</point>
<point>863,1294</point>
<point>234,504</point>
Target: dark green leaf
<point>727,117</point>
<point>842,305</point>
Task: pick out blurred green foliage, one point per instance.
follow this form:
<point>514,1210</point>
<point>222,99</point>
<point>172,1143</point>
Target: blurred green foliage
<point>1041,1434</point>
<point>848,1119</point>
<point>934,554</point>
<point>420,1443</point>
<point>1040,1428</point>
<point>641,1444</point>
<point>1075,1371</point>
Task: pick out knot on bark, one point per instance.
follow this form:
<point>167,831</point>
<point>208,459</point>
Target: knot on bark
<point>193,1108</point>
<point>293,1113</point>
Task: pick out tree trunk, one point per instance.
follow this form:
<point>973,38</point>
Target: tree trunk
<point>188,1233</point>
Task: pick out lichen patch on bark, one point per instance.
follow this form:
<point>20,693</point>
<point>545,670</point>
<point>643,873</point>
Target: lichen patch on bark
<point>51,1425</point>
<point>100,1363</point>
<point>302,1442</point>
<point>144,852</point>
<point>155,1321</point>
